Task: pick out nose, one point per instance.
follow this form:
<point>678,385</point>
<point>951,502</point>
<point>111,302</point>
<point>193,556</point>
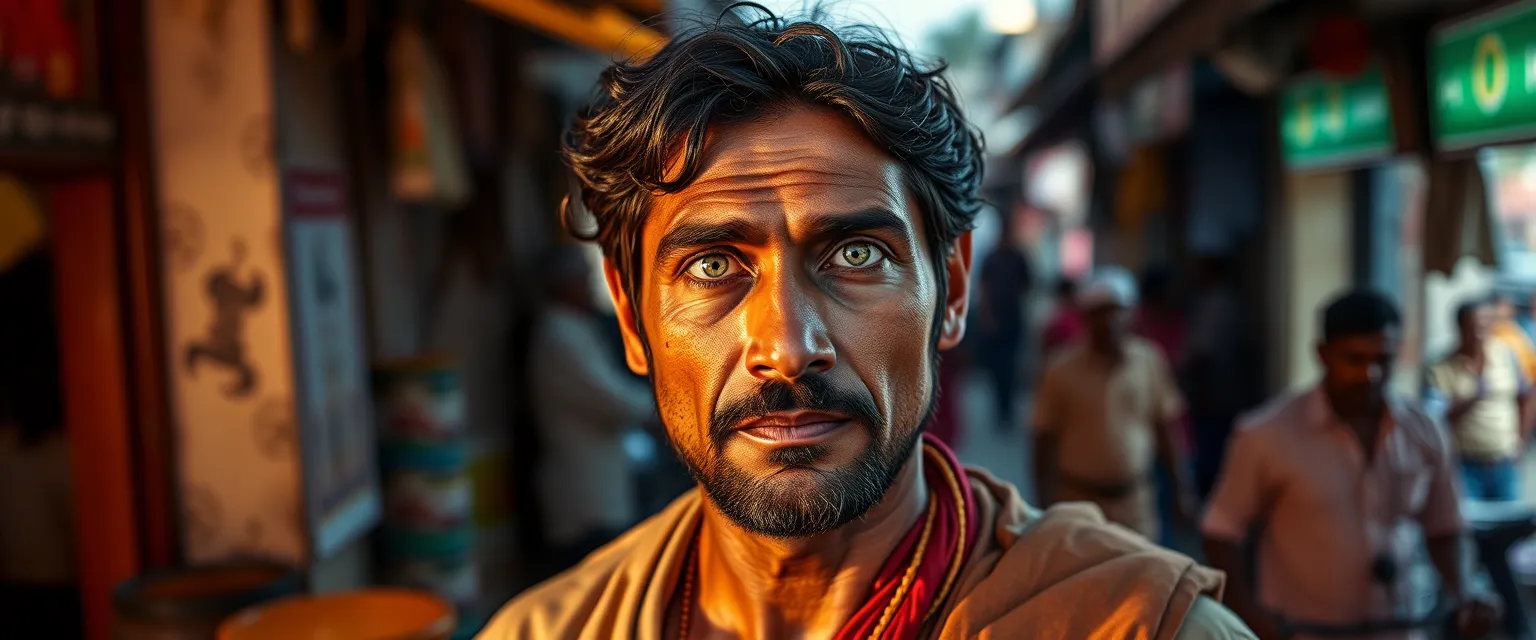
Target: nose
<point>786,335</point>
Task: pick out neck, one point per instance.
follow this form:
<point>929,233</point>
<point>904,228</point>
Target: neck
<point>1110,349</point>
<point>1362,416</point>
<point>753,586</point>
<point>1470,349</point>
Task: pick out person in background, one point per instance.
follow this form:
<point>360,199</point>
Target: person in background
<point>39,579</point>
<point>1105,413</point>
<point>1065,325</point>
<point>1506,329</point>
<point>1486,404</point>
<point>1211,367</point>
<point>1005,280</point>
<point>1330,476</point>
<point>583,403</point>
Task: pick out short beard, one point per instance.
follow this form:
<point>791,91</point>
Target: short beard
<point>788,508</point>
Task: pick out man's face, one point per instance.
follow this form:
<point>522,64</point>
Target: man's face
<point>788,305</point>
<point>1357,368</point>
<point>1473,325</point>
<point>1108,324</point>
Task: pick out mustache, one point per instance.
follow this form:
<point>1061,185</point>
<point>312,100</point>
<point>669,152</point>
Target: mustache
<point>813,393</point>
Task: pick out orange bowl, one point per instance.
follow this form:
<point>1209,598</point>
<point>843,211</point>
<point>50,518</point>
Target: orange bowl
<point>370,614</point>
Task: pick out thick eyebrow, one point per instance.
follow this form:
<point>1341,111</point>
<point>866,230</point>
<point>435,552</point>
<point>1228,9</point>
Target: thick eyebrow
<point>865,221</point>
<point>688,236</point>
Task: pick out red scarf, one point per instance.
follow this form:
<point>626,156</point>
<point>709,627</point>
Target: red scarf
<point>950,526</point>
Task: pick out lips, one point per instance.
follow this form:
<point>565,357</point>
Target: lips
<point>793,427</point>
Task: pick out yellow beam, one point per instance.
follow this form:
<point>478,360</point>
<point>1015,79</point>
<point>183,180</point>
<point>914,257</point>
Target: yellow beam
<point>647,7</point>
<point>603,28</point>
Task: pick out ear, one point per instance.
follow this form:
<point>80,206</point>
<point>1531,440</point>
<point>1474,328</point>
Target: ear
<point>634,343</point>
<point>1322,354</point>
<point>958,271</point>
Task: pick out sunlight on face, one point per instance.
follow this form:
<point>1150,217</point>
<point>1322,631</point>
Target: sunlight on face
<point>791,280</point>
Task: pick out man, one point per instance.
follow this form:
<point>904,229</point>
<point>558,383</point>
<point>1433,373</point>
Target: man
<point>1334,474</point>
<point>1107,409</point>
<point>1005,280</point>
<point>1212,368</point>
<point>1486,402</point>
<point>784,210</point>
<point>583,403</point>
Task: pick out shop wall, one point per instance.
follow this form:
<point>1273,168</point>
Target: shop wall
<point>227,316</point>
<point>1317,254</point>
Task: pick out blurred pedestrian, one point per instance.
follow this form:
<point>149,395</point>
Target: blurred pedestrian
<point>583,404</point>
<point>1065,325</point>
<point>1212,368</point>
<point>1105,413</point>
<point>1485,401</point>
<point>39,574</point>
<point>1322,483</point>
<point>1506,328</point>
<point>1005,280</point>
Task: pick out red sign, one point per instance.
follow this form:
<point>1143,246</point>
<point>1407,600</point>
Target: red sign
<point>314,193</point>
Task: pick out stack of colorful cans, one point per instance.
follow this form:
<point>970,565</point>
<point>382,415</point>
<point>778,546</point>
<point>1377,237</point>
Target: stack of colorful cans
<point>426,459</point>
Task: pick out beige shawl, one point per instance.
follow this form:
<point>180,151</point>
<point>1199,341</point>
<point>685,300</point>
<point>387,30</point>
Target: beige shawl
<point>1064,573</point>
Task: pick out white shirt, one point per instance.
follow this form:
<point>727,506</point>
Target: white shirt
<point>583,401</point>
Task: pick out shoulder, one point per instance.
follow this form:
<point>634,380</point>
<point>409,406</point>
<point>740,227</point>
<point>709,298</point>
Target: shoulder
<point>1114,582</point>
<point>1145,351</point>
<point>1421,430</point>
<point>1285,411</point>
<point>1065,360</point>
<point>1209,620</point>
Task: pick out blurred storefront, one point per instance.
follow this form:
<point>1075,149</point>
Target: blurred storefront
<point>1130,82</point>
<point>79,364</point>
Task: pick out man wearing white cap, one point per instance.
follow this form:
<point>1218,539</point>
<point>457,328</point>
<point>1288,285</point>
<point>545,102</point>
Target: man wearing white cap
<point>1105,410</point>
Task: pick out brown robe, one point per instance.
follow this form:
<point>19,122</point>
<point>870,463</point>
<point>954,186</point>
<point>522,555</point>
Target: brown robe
<point>1064,573</point>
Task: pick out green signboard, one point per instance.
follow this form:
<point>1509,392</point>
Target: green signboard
<point>1483,75</point>
<point>1330,123</point>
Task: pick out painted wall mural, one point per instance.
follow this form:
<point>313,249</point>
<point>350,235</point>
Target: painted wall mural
<point>227,298</point>
<point>232,297</point>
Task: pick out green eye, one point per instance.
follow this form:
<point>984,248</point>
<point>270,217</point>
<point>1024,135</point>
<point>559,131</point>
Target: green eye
<point>857,255</point>
<point>711,267</point>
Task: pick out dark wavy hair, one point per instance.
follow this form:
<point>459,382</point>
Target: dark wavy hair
<point>621,145</point>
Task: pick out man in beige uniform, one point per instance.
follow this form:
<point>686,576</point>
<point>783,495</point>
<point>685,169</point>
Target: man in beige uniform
<point>1105,412</point>
<point>785,213</point>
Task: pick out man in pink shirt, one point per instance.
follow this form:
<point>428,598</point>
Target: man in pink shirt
<point>1334,475</point>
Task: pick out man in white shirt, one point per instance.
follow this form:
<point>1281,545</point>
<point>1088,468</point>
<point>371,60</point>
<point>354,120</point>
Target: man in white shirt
<point>1334,474</point>
<point>583,401</point>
